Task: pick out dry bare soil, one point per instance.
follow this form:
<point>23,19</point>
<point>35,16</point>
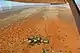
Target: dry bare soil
<point>57,24</point>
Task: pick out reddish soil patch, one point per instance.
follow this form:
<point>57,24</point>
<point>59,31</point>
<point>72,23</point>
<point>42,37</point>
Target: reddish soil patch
<point>62,37</point>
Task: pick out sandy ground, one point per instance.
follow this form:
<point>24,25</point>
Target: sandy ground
<point>12,16</point>
<point>55,23</point>
<point>41,1</point>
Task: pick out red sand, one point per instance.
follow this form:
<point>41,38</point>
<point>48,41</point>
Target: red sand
<point>62,37</point>
<point>41,1</point>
